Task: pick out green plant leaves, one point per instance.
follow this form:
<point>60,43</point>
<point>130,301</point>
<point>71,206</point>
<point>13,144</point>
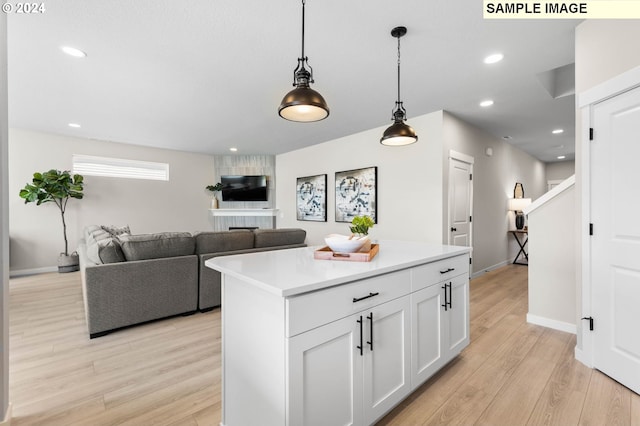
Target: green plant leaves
<point>53,185</point>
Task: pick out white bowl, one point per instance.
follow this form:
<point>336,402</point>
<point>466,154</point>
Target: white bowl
<point>342,244</point>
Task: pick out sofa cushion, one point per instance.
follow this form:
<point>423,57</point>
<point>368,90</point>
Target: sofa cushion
<point>154,246</point>
<point>102,247</point>
<point>215,242</point>
<point>117,231</point>
<point>278,237</point>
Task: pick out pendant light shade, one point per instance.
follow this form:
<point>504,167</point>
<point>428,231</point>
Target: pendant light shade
<point>399,133</point>
<point>303,104</point>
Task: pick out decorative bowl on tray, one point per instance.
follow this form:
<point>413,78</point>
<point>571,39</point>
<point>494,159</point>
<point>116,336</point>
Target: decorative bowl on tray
<point>345,243</point>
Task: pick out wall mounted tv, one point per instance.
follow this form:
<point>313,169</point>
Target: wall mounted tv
<point>244,188</point>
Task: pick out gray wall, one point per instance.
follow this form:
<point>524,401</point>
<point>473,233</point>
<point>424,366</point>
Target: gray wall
<point>409,182</point>
<point>560,170</point>
<point>4,224</point>
<point>245,165</point>
<point>181,204</point>
<point>494,179</point>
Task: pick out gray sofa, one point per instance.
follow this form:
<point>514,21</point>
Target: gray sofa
<point>132,279</point>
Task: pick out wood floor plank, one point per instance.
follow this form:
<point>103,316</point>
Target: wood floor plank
<point>168,373</point>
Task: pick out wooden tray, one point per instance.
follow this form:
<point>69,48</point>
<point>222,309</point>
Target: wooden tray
<point>325,253</point>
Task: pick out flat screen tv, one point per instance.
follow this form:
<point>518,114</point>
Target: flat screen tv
<point>244,188</point>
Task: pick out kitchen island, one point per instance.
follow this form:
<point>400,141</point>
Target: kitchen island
<point>323,342</point>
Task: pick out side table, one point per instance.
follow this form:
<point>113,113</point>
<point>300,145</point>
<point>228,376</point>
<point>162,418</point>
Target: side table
<point>522,242</point>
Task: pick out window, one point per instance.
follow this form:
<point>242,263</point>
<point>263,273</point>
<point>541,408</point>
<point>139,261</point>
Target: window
<point>119,167</point>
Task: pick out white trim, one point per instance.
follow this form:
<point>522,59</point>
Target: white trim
<point>580,356</point>
<point>621,83</point>
<point>585,241</point>
<point>91,165</point>
<point>244,212</point>
<point>460,156</point>
<point>7,417</point>
<point>539,202</point>
<point>551,323</point>
<point>33,271</point>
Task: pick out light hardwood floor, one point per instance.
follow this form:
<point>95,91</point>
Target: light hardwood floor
<point>168,372</point>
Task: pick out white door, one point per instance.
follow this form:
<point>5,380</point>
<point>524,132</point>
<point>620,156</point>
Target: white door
<point>615,244</point>
<point>460,199</point>
<point>387,364</point>
<point>325,380</point>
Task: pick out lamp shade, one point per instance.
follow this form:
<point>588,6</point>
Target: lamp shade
<point>399,134</point>
<point>518,204</point>
<point>303,104</point>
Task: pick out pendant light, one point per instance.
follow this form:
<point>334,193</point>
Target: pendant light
<point>399,133</point>
<point>303,103</point>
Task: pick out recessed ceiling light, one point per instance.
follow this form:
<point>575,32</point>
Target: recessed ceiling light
<point>507,138</point>
<point>74,125</point>
<point>492,59</point>
<point>486,103</point>
<point>557,131</point>
<point>72,51</point>
<point>561,157</point>
<point>233,149</point>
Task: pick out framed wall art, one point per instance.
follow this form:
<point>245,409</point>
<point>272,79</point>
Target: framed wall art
<point>311,198</point>
<point>356,194</point>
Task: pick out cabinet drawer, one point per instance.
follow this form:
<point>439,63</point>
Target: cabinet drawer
<point>311,310</point>
<point>432,273</point>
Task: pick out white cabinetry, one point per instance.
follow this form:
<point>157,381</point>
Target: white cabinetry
<point>353,370</point>
<point>342,350</point>
<point>439,316</point>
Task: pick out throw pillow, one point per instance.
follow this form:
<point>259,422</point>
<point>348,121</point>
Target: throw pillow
<point>117,231</point>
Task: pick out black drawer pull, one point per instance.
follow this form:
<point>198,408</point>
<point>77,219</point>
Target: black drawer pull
<point>357,299</point>
<point>447,270</point>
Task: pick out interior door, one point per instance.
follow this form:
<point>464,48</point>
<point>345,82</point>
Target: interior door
<point>460,199</point>
<point>615,244</point>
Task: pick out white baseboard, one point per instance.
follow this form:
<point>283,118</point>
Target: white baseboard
<point>33,271</point>
<point>490,268</point>
<point>550,323</point>
<point>7,418</point>
<point>582,357</point>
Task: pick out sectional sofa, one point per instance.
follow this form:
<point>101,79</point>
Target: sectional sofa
<point>132,279</point>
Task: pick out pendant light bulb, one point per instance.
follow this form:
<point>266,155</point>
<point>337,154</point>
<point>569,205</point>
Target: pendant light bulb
<point>399,133</point>
<point>303,104</point>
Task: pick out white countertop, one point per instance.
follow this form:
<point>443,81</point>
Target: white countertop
<point>295,271</point>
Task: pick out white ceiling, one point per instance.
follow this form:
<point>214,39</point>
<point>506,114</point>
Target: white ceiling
<point>207,75</point>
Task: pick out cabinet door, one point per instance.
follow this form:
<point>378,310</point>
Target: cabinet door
<point>325,376</point>
<point>387,356</point>
<point>457,317</point>
<point>426,333</point>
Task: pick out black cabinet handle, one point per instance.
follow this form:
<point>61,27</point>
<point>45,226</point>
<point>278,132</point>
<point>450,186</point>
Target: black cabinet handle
<point>370,342</point>
<point>446,301</point>
<point>357,299</point>
<point>447,270</point>
<point>360,347</point>
<point>450,307</point>
<point>453,229</point>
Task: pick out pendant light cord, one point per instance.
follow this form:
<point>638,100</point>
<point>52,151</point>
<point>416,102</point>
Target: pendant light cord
<point>398,70</point>
<point>303,4</point>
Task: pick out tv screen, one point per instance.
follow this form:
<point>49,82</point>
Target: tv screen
<point>244,188</point>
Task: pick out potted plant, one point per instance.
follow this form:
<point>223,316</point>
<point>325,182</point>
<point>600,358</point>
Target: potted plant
<point>360,225</point>
<point>214,188</point>
<point>360,229</point>
<point>57,187</point>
